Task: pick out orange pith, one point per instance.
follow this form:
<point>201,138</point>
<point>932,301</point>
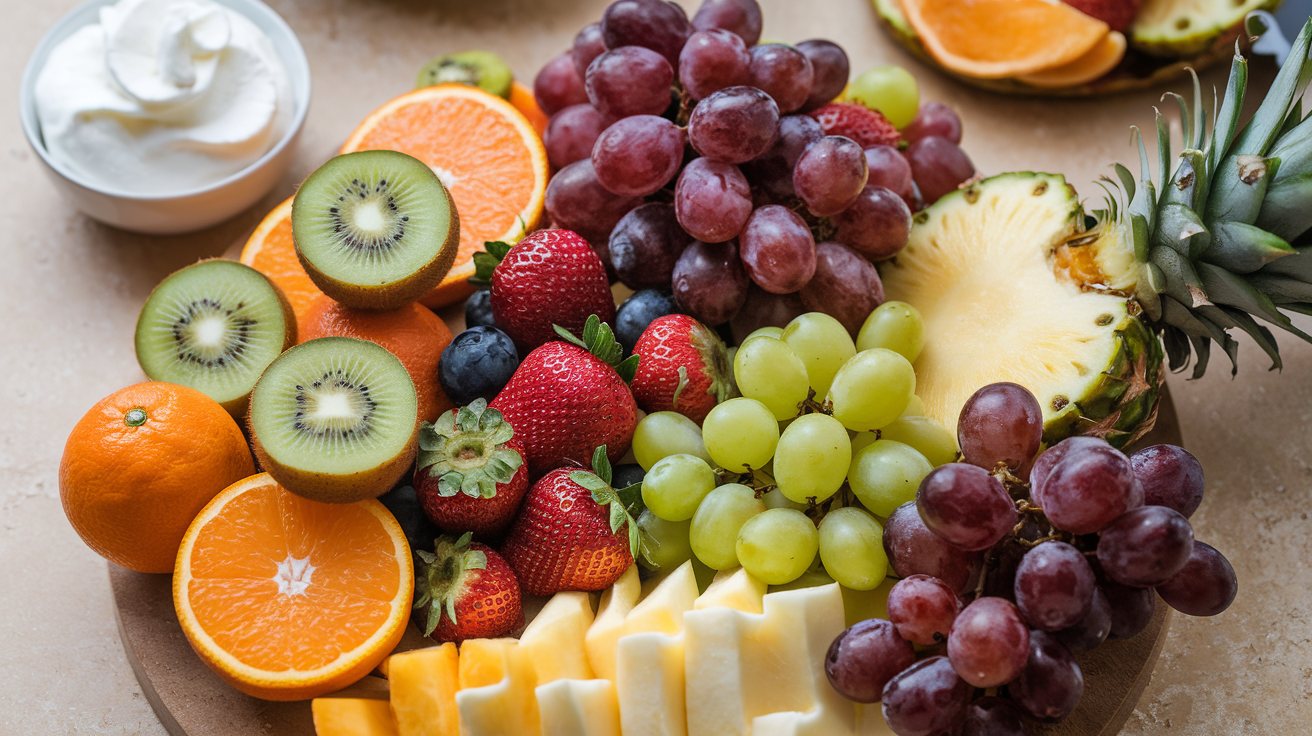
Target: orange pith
<point>486,153</point>
<point>286,598</point>
<point>271,251</point>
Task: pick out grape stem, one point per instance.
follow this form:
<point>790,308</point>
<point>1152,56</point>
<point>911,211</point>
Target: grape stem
<point>810,406</point>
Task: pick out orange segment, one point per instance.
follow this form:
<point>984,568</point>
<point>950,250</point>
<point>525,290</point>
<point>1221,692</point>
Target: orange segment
<point>992,39</point>
<point>271,251</point>
<point>286,598</point>
<point>486,153</point>
<point>522,97</point>
<point>1102,58</point>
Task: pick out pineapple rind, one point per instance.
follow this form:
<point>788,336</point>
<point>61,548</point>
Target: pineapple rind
<point>1208,24</point>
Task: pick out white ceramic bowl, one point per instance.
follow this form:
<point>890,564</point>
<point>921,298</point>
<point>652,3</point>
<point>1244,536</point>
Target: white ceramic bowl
<point>187,210</point>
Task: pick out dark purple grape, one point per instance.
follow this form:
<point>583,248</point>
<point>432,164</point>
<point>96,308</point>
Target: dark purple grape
<point>913,549</point>
<point>655,24</point>
<point>645,245</point>
<point>1006,557</point>
<point>922,609</point>
<point>712,200</point>
<point>1170,477</point>
<point>635,313</point>
<point>558,85</point>
<point>1054,586</point>
<point>865,657</point>
<point>938,166</point>
<point>784,73</point>
<point>934,119</point>
<point>1205,586</point>
<point>713,60</point>
<point>773,170</point>
<point>778,249</point>
<point>925,699</point>
<point>830,175</point>
<point>1131,608</point>
<point>1000,423</point>
<point>1049,457</point>
<point>890,170</point>
<point>763,309</point>
<point>1091,630</point>
<point>734,125</point>
<point>588,45</point>
<point>577,201</point>
<point>709,281</point>
<point>742,17</point>
<point>1146,546</point>
<point>877,224</point>
<point>1051,683</point>
<point>993,716</point>
<point>829,70</point>
<point>845,286</point>
<point>966,506</point>
<point>988,643</point>
<point>629,80</point>
<point>1088,488</point>
<point>571,134</point>
<point>637,155</point>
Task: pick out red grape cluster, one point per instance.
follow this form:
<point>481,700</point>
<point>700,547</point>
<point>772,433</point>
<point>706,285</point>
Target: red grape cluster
<point>695,159</point>
<point>1004,580</point>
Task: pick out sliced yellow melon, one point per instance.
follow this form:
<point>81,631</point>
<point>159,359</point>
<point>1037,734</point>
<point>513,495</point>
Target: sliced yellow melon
<point>424,684</point>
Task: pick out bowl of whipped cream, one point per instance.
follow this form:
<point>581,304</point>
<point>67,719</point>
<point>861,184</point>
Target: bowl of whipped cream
<point>166,116</point>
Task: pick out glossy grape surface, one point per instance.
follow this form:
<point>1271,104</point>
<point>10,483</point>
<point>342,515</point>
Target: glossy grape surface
<point>852,548</point>
<point>660,26</point>
<point>715,526</point>
<point>588,45</point>
<point>638,155</point>
<point>889,89</point>
<point>1170,477</point>
<point>664,433</point>
<point>713,60</point>
<point>1131,608</point>
<point>1205,586</point>
<point>778,249</point>
<point>1088,488</point>
<point>822,343</point>
<point>577,201</point>
<point>895,326</point>
<point>773,170</point>
<point>830,175</point>
<point>922,609</point>
<point>885,474</point>
<point>571,134</point>
<point>829,70</point>
<point>845,285</point>
<point>767,369</point>
<point>926,435</point>
<point>713,200</point>
<point>966,506</point>
<point>645,246</point>
<point>1091,630</point>
<point>812,458</point>
<point>1000,423</point>
<point>777,545</point>
<point>926,698</point>
<point>872,389</point>
<point>734,125</point>
<point>938,166</point>
<point>667,542</point>
<point>1146,546</point>
<point>675,486</point>
<point>877,223</point>
<point>740,434</point>
<point>742,17</point>
<point>865,657</point>
<point>989,642</point>
<point>629,80</point>
<point>914,550</point>
<point>993,716</point>
<point>934,119</point>
<point>784,73</point>
<point>1054,586</point>
<point>1050,685</point>
<point>559,85</point>
<point>709,281</point>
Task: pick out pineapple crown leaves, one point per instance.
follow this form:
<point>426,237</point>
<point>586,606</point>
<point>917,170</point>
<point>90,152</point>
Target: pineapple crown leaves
<point>487,260</point>
<point>465,450</point>
<point>599,340</point>
<point>440,577</point>
<point>625,504</point>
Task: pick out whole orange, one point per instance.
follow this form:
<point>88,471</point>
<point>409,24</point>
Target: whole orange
<point>412,333</point>
<point>141,464</point>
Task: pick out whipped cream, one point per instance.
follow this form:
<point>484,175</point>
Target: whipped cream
<point>163,96</point>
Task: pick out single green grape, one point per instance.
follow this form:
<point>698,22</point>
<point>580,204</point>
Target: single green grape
<point>852,548</point>
<point>767,370</point>
<point>740,434</point>
<point>886,475</point>
<point>778,545</point>
<point>823,345</point>
<point>889,89</point>
<point>813,578</point>
<point>896,326</point>
<point>666,433</point>
<point>927,435</point>
<point>776,499</point>
<point>714,530</point>
<point>862,440</point>
<point>812,458</point>
<point>666,542</point>
<point>770,331</point>
<point>872,389</point>
<point>915,407</point>
<point>676,485</point>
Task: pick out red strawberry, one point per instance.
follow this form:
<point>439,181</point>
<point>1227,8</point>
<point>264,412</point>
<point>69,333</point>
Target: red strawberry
<point>564,400</point>
<point>470,475</point>
<point>684,367</point>
<point>1118,14</point>
<point>867,127</point>
<point>570,535</point>
<point>551,277</point>
<point>465,591</point>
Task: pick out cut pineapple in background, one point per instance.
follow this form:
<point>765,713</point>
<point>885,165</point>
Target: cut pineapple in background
<point>1178,28</point>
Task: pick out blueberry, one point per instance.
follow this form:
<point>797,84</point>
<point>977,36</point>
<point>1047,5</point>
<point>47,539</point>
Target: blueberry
<point>478,309</point>
<point>626,475</point>
<point>477,364</point>
<point>638,311</point>
<point>403,502</point>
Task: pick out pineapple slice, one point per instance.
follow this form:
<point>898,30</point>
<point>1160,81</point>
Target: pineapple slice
<point>1188,27</point>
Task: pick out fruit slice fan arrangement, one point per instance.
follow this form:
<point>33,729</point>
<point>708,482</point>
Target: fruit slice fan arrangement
<point>845,461</point>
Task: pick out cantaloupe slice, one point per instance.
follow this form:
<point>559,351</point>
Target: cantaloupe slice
<point>1102,58</point>
<point>424,684</point>
<point>352,717</point>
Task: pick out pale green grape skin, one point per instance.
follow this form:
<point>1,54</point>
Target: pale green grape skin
<point>666,433</point>
<point>872,389</point>
<point>666,542</point>
<point>823,345</point>
<point>852,548</point>
<point>862,440</point>
<point>775,332</point>
<point>928,436</point>
<point>915,407</point>
<point>812,458</point>
<point>886,475</point>
<point>777,545</point>
<point>889,89</point>
<point>809,579</point>
<point>676,485</point>
<point>714,531</point>
<point>776,499</point>
<point>896,326</point>
<point>740,434</point>
<point>767,370</point>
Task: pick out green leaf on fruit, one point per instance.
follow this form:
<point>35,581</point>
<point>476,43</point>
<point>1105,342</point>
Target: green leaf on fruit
<point>467,419</point>
<point>498,248</point>
<point>591,482</point>
<point>628,369</point>
<point>601,464</point>
<point>617,517</point>
<point>450,483</point>
<point>631,498</point>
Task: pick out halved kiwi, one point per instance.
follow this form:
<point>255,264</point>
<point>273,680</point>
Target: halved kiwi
<point>375,229</point>
<point>482,69</point>
<point>214,326</point>
<point>335,420</point>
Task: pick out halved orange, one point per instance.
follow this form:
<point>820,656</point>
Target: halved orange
<point>522,97</point>
<point>486,153</point>
<point>993,39</point>
<point>288,599</point>
<point>1102,58</point>
<point>271,251</point>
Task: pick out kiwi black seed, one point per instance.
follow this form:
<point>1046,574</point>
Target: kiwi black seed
<point>482,69</point>
<point>214,326</point>
<point>375,229</point>
<point>335,420</point>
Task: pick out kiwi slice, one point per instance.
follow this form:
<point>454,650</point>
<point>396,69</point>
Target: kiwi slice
<point>375,229</point>
<point>214,326</point>
<point>335,420</point>
<point>482,69</point>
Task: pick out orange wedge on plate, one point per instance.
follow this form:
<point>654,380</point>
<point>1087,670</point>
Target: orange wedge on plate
<point>270,251</point>
<point>288,599</point>
<point>486,153</point>
<point>993,39</point>
<point>1102,58</point>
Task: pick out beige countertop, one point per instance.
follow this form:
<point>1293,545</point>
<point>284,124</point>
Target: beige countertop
<point>71,288</point>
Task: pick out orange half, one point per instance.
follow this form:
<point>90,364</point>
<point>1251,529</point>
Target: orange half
<point>486,153</point>
<point>993,39</point>
<point>522,97</point>
<point>1102,58</point>
<point>288,599</point>
<point>271,251</point>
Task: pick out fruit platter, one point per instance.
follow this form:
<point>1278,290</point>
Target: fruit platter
<point>697,383</point>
